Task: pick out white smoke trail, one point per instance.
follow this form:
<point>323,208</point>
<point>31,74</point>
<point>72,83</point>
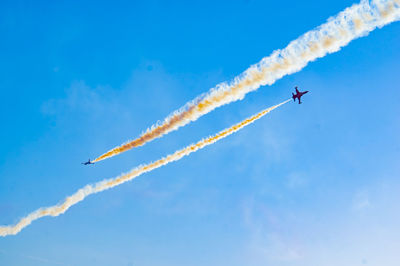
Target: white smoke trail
<point>354,22</point>
<point>33,258</point>
<point>82,193</point>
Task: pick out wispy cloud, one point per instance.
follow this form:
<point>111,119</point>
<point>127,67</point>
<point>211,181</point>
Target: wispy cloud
<point>33,258</point>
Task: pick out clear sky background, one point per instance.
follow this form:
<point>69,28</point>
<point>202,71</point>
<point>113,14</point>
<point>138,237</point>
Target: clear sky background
<point>308,185</point>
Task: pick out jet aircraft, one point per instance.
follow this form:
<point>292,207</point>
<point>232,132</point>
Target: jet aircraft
<point>88,162</point>
<point>298,95</point>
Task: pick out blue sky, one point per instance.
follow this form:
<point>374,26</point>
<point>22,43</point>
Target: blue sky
<point>315,184</point>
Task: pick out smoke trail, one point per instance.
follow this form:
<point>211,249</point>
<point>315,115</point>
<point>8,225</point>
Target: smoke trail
<point>34,258</point>
<point>82,193</point>
<point>354,22</point>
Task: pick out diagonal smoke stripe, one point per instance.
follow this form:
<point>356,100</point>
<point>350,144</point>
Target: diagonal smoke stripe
<point>352,23</point>
<point>82,193</point>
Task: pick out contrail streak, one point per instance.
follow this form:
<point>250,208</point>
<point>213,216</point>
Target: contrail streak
<point>34,258</point>
<point>82,193</point>
<point>352,23</point>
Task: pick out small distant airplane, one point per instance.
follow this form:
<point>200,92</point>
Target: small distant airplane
<point>298,95</point>
<point>88,162</point>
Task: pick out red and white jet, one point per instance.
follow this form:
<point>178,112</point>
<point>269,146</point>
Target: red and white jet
<point>298,95</point>
<point>88,162</point>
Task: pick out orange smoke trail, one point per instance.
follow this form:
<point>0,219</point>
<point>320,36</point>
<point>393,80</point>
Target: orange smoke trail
<point>354,22</point>
<point>82,193</point>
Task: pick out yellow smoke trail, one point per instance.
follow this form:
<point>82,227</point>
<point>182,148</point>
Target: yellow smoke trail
<point>354,22</point>
<point>82,193</point>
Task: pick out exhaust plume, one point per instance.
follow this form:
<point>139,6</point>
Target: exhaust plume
<point>82,193</point>
<point>352,23</point>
